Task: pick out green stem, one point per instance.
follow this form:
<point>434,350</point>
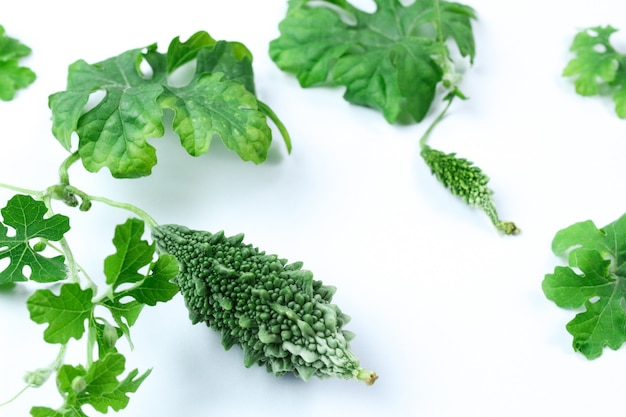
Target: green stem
<point>125,206</point>
<point>10,400</point>
<point>60,357</point>
<point>71,261</point>
<point>37,378</point>
<point>91,340</point>
<point>78,267</point>
<point>65,191</point>
<point>435,122</point>
<point>439,29</point>
<point>65,166</point>
<point>37,194</point>
<point>279,124</point>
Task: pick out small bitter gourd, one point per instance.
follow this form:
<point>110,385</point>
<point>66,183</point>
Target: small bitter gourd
<point>280,316</point>
<point>467,181</point>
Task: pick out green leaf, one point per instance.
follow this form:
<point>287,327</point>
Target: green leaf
<point>99,385</point>
<point>391,60</point>
<point>114,133</point>
<point>594,280</point>
<point>117,399</point>
<point>12,75</point>
<point>232,59</point>
<point>132,253</point>
<point>129,311</point>
<point>124,314</point>
<point>597,67</point>
<point>102,375</point>
<point>66,375</point>
<point>26,216</point>
<point>157,286</point>
<point>199,116</point>
<point>65,313</point>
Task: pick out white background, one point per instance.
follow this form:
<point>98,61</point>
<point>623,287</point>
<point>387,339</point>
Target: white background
<point>447,311</point>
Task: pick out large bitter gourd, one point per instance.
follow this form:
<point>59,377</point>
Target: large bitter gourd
<point>280,316</point>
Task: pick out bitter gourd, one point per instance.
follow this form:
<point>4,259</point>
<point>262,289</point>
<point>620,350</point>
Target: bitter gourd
<point>280,316</point>
<point>467,181</point>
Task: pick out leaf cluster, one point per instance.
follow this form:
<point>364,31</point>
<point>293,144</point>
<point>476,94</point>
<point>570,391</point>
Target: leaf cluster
<point>97,386</point>
<point>594,280</point>
<point>22,247</point>
<point>75,309</point>
<point>137,87</point>
<point>391,60</point>
<point>12,75</point>
<point>598,68</point>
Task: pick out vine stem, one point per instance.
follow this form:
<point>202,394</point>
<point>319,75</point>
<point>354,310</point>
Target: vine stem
<point>77,266</point>
<point>439,29</point>
<point>27,386</point>
<point>65,190</point>
<point>64,175</point>
<point>279,124</point>
<point>35,193</point>
<point>125,206</point>
<point>39,377</point>
<point>435,122</point>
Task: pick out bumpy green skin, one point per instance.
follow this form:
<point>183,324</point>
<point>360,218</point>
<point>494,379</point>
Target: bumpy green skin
<point>467,181</point>
<point>275,311</point>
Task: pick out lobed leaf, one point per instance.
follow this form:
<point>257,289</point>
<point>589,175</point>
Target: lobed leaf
<point>12,75</point>
<point>132,253</point>
<point>99,386</point>
<point>598,68</point>
<point>157,285</point>
<point>65,313</point>
<point>27,217</point>
<point>123,267</point>
<point>391,60</point>
<point>199,116</point>
<point>218,102</point>
<point>124,314</point>
<point>595,280</point>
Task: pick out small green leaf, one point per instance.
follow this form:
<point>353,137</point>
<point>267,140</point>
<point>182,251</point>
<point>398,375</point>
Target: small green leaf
<point>27,217</point>
<point>65,313</point>
<point>118,398</point>
<point>595,280</point>
<point>157,286</point>
<point>99,385</point>
<point>102,375</point>
<point>126,314</point>
<point>12,75</point>
<point>132,253</point>
<point>391,60</point>
<point>597,67</point>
